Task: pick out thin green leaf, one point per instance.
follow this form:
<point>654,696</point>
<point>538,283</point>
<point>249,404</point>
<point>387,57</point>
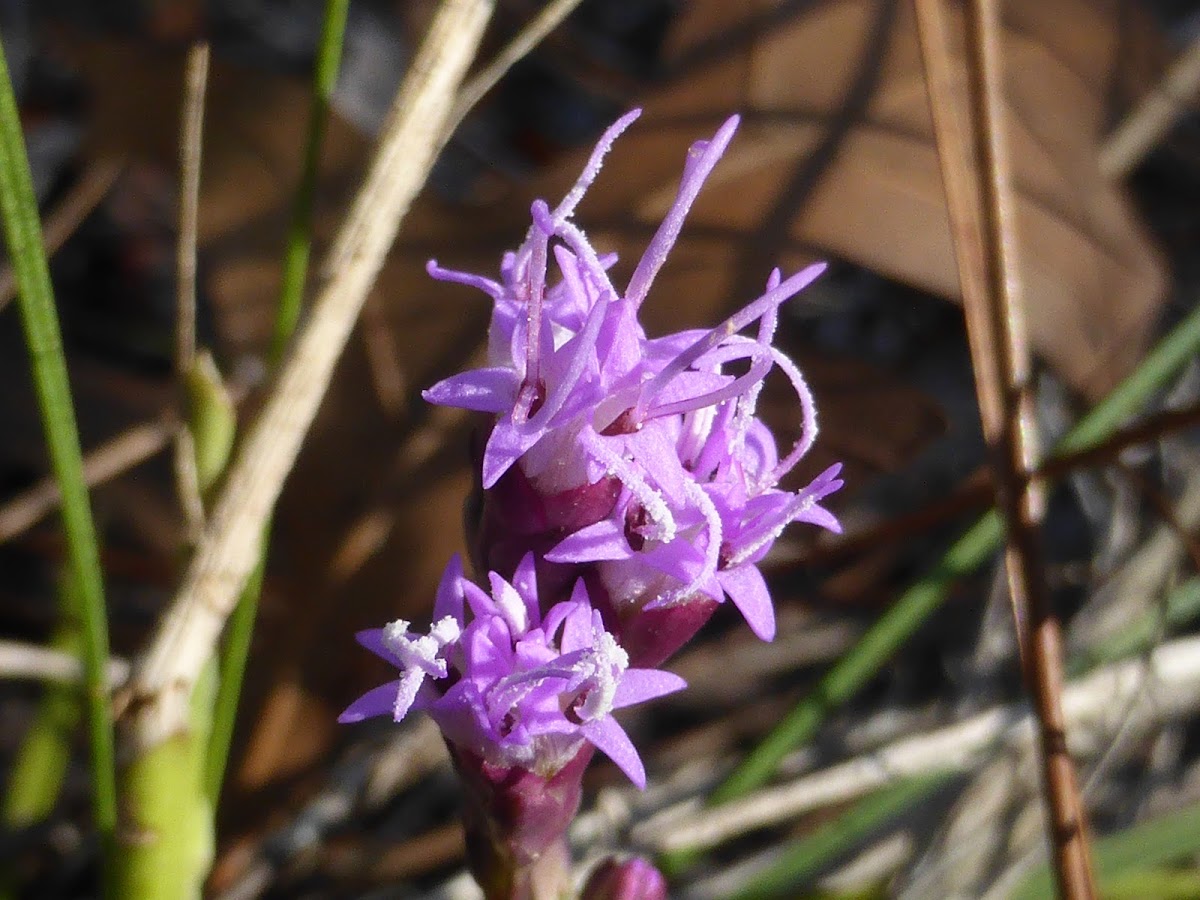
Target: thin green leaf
<point>234,656</point>
<point>1161,884</point>
<point>805,858</point>
<point>22,231</point>
<point>236,650</point>
<point>1131,853</point>
<point>299,245</point>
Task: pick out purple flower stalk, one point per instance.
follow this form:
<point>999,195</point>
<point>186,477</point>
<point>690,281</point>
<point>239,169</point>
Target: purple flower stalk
<point>626,488</point>
<point>636,463</point>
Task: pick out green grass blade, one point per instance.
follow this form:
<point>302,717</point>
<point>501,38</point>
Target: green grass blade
<point>232,669</point>
<point>299,242</point>
<point>862,661</point>
<point>804,859</point>
<point>1181,607</point>
<point>22,231</point>
<point>236,649</point>
<point>1129,854</point>
<point>1161,884</point>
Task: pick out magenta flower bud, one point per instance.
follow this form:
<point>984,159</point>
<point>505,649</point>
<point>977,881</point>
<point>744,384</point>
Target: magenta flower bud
<point>514,518</point>
<point>630,879</point>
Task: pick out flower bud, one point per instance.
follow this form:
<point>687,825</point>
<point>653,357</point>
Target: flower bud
<point>629,879</point>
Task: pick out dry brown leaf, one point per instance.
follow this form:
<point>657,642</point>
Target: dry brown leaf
<point>1093,282</point>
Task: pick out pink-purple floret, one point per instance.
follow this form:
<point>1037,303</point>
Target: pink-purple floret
<point>513,686</point>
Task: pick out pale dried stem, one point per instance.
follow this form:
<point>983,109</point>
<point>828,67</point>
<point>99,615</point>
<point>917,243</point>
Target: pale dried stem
<point>474,89</point>
<point>382,356</point>
<point>21,660</point>
<point>371,531</point>
<point>79,202</point>
<point>230,544</point>
<point>191,131</point>
<point>126,450</point>
<point>982,227</point>
<point>1134,693</point>
<point>1143,128</point>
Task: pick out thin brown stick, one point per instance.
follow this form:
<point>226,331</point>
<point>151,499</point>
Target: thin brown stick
<point>187,482</point>
<point>978,489</point>
<point>982,228</point>
<point>229,547</point>
<point>110,459</point>
<point>83,197</point>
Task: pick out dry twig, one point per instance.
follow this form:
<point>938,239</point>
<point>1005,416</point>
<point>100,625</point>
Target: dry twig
<point>475,88</point>
<point>1152,118</point>
<point>187,480</point>
<point>22,660</point>
<point>126,450</point>
<point>230,544</point>
<point>1168,685</point>
<point>981,213</point>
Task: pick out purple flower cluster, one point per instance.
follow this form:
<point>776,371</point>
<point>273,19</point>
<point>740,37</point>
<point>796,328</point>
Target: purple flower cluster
<point>651,473</point>
<point>626,488</point>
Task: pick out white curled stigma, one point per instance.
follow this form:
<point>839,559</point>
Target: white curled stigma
<point>420,657</point>
<point>598,674</point>
<point>712,550</point>
<point>595,162</point>
<point>663,527</point>
<point>808,420</point>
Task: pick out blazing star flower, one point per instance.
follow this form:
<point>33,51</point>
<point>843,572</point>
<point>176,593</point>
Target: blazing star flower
<point>638,463</point>
<point>508,685</point>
